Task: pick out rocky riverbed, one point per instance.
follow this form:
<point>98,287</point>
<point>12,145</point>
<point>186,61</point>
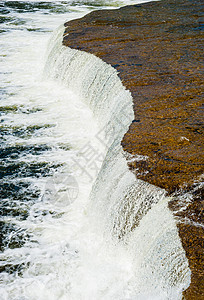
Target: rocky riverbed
<point>157,49</point>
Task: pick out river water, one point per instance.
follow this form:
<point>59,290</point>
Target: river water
<point>75,223</point>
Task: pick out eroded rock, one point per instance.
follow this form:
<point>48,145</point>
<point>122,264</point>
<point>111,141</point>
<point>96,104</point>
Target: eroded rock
<point>157,49</point>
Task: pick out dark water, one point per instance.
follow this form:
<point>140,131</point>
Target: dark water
<point>49,249</point>
<point>20,167</point>
<point>25,27</point>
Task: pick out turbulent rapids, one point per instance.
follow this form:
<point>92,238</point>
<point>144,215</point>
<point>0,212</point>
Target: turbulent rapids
<point>80,225</point>
<point>121,206</point>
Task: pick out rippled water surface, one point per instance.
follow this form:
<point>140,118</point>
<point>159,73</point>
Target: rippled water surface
<point>49,249</point>
<point>38,136</point>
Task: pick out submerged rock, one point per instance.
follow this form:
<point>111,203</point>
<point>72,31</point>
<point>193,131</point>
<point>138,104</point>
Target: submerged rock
<point>157,49</point>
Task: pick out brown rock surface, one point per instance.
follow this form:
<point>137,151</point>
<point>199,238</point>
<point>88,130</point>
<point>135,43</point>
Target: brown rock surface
<point>157,49</point>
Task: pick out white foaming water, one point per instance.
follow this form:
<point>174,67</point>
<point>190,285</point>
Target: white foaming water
<point>109,236</point>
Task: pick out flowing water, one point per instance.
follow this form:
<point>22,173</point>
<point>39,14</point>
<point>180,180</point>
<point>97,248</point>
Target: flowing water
<point>75,222</point>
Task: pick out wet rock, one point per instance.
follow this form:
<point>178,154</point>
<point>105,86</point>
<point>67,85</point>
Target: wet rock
<point>157,49</point>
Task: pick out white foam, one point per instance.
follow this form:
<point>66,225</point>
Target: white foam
<point>90,248</point>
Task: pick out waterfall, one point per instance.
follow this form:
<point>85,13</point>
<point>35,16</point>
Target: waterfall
<point>126,209</point>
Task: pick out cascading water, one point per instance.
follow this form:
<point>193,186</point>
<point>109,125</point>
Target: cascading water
<point>76,222</point>
<point>118,201</point>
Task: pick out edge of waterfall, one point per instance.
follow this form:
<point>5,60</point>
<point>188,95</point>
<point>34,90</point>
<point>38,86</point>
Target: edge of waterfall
<point>125,208</point>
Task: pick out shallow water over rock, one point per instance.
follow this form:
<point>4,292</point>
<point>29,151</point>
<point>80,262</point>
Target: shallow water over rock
<point>157,51</point>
